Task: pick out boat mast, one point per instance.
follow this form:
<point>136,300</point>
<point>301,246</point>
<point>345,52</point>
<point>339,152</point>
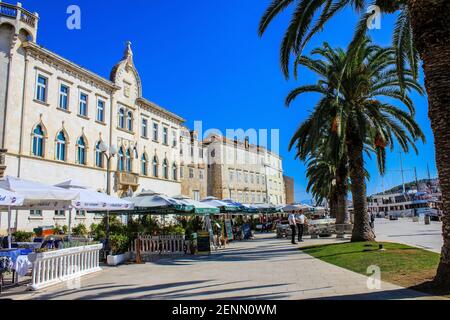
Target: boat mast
<point>402,171</point>
<point>417,181</point>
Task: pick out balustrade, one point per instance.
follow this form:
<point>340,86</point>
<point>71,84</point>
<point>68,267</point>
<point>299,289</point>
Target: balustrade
<point>17,12</point>
<point>53,267</point>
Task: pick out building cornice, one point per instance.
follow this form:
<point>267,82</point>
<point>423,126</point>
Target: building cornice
<point>241,145</point>
<point>158,110</point>
<point>67,66</point>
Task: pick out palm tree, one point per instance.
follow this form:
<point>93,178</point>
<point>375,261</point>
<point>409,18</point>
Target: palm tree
<point>323,176</point>
<point>327,171</point>
<point>422,32</point>
<point>320,173</point>
<point>352,116</point>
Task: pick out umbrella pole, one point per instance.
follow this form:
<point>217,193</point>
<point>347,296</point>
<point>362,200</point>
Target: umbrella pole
<point>70,225</point>
<point>9,227</point>
<point>16,222</point>
<point>107,231</point>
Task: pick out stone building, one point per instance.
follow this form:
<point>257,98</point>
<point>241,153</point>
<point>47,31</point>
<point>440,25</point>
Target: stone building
<point>193,154</point>
<point>244,172</point>
<point>55,114</point>
<point>289,189</point>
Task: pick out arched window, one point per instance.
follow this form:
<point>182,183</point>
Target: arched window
<point>129,161</point>
<point>165,169</point>
<point>121,118</point>
<point>120,160</point>
<point>38,141</point>
<point>130,121</point>
<point>174,172</point>
<point>155,167</point>
<point>98,155</point>
<point>81,151</point>
<point>61,145</point>
<point>144,163</point>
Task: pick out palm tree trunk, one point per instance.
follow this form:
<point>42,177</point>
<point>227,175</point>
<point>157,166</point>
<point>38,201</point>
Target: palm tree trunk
<point>361,228</point>
<point>342,190</point>
<point>333,205</point>
<point>430,20</point>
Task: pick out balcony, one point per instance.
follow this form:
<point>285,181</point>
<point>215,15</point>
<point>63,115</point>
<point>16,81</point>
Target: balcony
<point>18,13</point>
<point>125,180</point>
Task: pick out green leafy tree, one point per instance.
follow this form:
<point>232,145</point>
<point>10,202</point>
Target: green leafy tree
<point>421,32</point>
<point>353,114</point>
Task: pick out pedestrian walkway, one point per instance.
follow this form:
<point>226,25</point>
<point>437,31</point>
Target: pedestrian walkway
<point>415,234</point>
<point>264,268</point>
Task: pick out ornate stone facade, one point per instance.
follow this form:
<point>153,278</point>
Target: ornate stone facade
<point>193,166</point>
<point>55,113</point>
<point>244,172</point>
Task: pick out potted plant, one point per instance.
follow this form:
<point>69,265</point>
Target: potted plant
<point>119,249</point>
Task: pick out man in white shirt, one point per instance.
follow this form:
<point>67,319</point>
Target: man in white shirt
<point>300,221</point>
<point>292,223</point>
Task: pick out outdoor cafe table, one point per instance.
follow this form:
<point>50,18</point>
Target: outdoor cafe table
<point>19,262</point>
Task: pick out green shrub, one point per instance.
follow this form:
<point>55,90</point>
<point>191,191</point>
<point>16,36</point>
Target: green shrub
<point>57,229</point>
<point>176,230</point>
<point>65,229</point>
<point>97,232</point>
<point>80,230</point>
<point>119,243</point>
<point>23,236</point>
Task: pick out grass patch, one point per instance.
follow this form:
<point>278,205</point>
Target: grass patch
<point>399,264</point>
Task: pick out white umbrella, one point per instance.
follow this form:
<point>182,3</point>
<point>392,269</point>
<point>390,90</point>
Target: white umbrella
<point>9,199</point>
<point>150,199</point>
<point>39,196</point>
<point>91,200</point>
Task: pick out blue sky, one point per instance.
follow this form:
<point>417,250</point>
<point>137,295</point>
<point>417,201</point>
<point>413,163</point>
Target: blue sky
<point>202,59</point>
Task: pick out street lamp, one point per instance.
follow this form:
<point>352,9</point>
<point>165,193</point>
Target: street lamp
<point>109,152</point>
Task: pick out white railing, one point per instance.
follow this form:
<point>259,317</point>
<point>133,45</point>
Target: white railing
<point>53,267</point>
<point>174,244</point>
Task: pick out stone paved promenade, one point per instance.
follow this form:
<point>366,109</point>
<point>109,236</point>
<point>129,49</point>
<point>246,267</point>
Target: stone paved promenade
<point>265,268</point>
<point>416,234</point>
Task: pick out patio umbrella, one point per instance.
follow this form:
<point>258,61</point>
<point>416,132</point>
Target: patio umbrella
<point>268,208</point>
<point>7,200</point>
<point>222,205</point>
<point>244,208</point>
<point>92,201</point>
<point>200,208</point>
<point>295,207</point>
<point>152,203</point>
<point>38,196</point>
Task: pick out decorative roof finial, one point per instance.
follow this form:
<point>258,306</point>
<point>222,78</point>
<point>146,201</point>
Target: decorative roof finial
<point>128,52</point>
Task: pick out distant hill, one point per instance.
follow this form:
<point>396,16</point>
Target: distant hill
<point>423,186</point>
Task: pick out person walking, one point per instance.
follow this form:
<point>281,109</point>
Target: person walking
<point>372,220</point>
<point>300,220</point>
<point>292,224</point>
